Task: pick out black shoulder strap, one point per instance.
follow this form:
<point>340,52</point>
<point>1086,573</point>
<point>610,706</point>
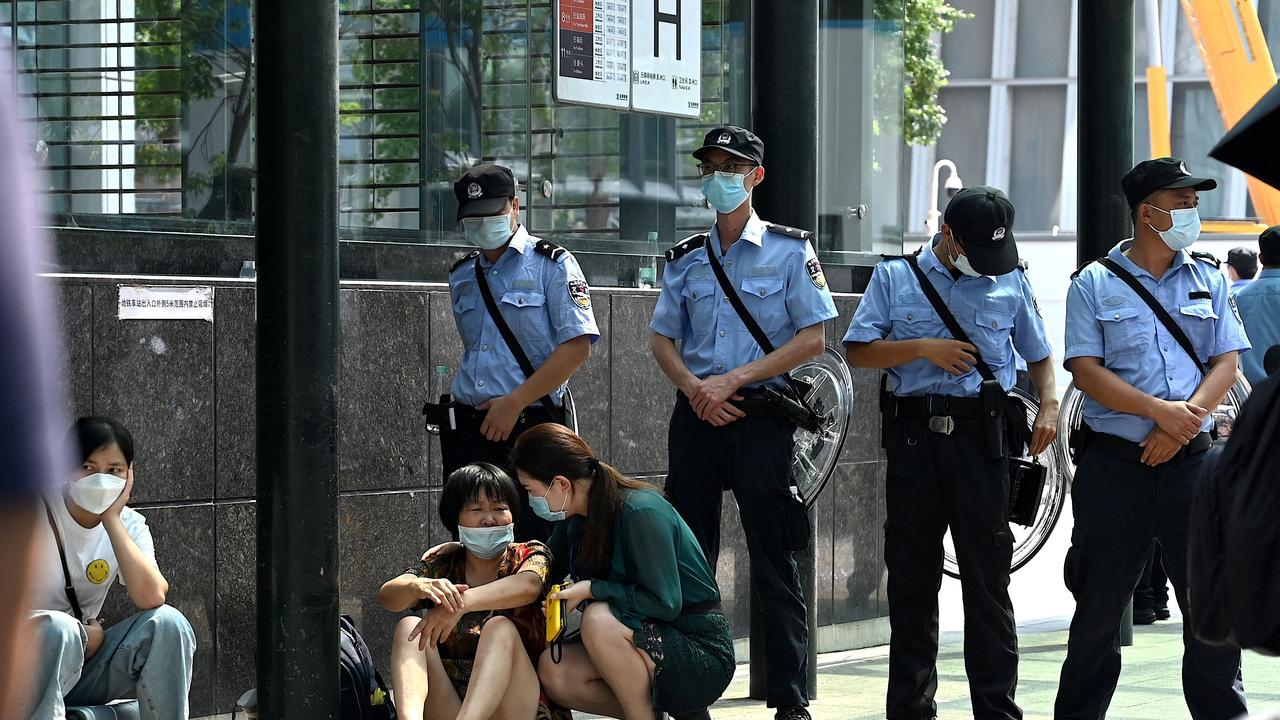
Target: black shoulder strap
<point>948,319</point>
<point>1081,268</point>
<point>753,327</point>
<point>67,587</point>
<point>1207,257</point>
<point>549,250</point>
<point>1161,314</point>
<point>504,329</point>
<point>789,231</point>
<point>463,259</point>
<point>686,246</point>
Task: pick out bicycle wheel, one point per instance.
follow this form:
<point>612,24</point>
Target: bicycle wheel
<point>815,455</point>
<point>1027,541</point>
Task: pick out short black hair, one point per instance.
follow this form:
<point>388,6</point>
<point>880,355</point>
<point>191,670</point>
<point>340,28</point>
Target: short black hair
<point>1269,247</point>
<point>473,481</point>
<point>92,433</point>
<point>1244,261</point>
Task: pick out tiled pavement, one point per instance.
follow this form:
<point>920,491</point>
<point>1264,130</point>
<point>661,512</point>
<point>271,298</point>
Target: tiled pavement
<point>851,685</point>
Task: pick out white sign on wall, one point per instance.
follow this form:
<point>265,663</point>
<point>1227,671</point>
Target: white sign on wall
<point>160,302</point>
<point>593,53</point>
<point>642,55</point>
<point>666,57</point>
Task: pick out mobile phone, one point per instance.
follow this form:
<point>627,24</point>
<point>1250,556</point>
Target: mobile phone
<point>555,614</point>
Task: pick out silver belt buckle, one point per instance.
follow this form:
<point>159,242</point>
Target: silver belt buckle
<point>942,424</point>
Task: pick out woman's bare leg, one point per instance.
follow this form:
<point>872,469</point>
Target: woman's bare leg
<point>408,672</point>
<point>503,683</point>
<point>575,683</point>
<point>627,669</point>
<point>443,702</point>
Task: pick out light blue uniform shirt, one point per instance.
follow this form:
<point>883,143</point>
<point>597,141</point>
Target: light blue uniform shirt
<point>1238,285</point>
<point>545,302</point>
<point>1259,306</point>
<point>999,314</point>
<point>1106,319</point>
<point>779,280</point>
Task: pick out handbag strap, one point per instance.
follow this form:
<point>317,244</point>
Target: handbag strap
<point>513,344</point>
<point>745,315</point>
<point>66,571</point>
<point>1161,314</point>
<point>948,319</point>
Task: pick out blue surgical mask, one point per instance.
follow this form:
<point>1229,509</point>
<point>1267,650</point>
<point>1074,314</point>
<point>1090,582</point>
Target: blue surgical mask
<point>725,191</point>
<point>488,233</point>
<point>542,508</point>
<point>1185,229</point>
<point>487,542</point>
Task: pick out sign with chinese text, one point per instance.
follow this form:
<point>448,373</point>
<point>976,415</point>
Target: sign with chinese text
<point>162,302</point>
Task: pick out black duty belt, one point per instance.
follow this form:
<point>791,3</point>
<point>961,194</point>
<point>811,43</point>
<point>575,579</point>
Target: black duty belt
<point>1129,450</point>
<point>469,417</point>
<point>946,414</point>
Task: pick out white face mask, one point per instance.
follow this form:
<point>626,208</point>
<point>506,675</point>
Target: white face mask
<point>487,542</point>
<point>96,492</point>
<point>1185,229</point>
<point>961,262</point>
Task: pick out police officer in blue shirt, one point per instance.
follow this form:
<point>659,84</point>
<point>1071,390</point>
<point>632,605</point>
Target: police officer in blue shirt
<point>540,291</point>
<point>1148,425</point>
<point>723,433</point>
<point>942,469</point>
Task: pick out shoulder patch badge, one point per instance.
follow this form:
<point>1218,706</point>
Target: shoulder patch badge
<point>580,293</point>
<point>1231,300</point>
<point>815,273</point>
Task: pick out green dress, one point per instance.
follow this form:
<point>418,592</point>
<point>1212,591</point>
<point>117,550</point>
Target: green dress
<point>660,585</point>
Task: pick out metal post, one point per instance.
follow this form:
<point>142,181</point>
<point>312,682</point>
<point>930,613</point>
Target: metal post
<point>297,358</point>
<point>785,116</point>
<point>1105,136</point>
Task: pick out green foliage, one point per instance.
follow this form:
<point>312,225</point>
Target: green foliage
<point>922,116</point>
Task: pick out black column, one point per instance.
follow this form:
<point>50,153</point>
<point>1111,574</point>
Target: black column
<point>784,102</point>
<point>1105,120</point>
<point>297,359</point>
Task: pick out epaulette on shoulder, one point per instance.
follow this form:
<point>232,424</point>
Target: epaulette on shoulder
<point>1080,269</point>
<point>469,256</point>
<point>686,246</point>
<point>1023,265</point>
<point>796,233</point>
<point>1207,257</point>
<point>550,250</point>
<point>884,257</point>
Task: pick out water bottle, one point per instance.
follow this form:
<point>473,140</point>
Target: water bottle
<point>648,274</point>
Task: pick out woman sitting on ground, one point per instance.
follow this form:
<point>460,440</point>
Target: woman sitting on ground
<point>472,653</point>
<point>653,638</point>
<point>89,537</point>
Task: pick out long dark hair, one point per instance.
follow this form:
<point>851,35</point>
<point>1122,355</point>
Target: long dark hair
<point>547,450</point>
<point>92,433</point>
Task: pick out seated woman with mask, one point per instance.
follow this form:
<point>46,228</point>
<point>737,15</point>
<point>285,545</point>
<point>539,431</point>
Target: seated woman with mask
<point>653,638</point>
<point>87,538</point>
<point>472,653</point>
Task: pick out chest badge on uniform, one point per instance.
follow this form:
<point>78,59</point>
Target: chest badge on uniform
<point>98,571</point>
<point>580,292</point>
<point>815,273</point>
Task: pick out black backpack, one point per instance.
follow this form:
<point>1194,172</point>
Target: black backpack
<point>1233,558</point>
<point>362,693</point>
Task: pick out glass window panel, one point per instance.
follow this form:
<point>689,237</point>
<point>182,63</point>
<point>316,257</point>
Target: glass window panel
<point>1186,55</point>
<point>1044,32</point>
<point>1035,170</point>
<point>964,137</point>
<point>1141,129</point>
<point>966,51</point>
<point>1269,18</point>
<point>1197,127</point>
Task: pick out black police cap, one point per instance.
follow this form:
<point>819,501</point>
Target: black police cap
<point>484,190</point>
<point>982,218</point>
<point>735,141</point>
<point>1167,173</point>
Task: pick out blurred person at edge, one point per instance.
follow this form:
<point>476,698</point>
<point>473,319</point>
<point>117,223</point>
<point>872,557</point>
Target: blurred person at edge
<point>29,417</point>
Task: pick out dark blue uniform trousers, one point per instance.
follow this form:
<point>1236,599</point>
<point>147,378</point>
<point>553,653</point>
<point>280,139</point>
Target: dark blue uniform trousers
<point>1120,505</point>
<point>752,457</point>
<point>935,481</point>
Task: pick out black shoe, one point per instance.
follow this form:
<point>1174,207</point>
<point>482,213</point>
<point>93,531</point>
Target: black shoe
<point>695,715</point>
<point>1162,613</point>
<point>795,712</point>
<point>1144,616</point>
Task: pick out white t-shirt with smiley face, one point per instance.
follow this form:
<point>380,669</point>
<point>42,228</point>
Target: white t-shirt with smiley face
<point>90,558</point>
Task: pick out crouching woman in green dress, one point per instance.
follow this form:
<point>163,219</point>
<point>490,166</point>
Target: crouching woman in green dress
<point>653,637</point>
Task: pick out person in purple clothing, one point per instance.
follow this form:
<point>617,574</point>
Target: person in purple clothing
<point>28,404</point>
